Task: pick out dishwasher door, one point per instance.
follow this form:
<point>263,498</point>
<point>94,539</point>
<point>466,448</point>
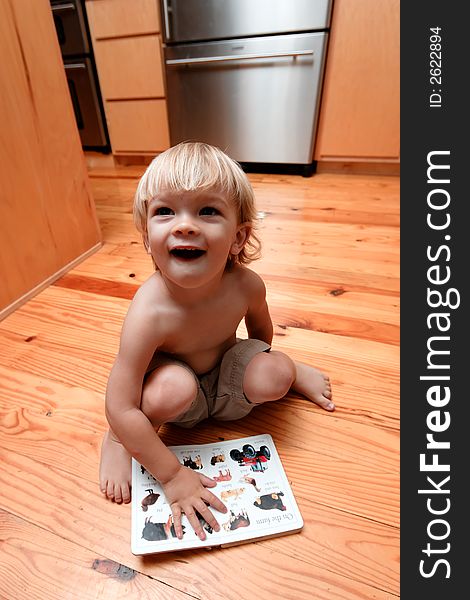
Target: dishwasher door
<point>256,98</point>
<point>197,20</point>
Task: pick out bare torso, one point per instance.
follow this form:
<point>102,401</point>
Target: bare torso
<point>201,333</point>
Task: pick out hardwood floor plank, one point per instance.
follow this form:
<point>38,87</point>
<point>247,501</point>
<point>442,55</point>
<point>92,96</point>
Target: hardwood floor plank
<point>95,285</point>
<point>334,535</point>
<point>45,566</point>
<point>77,319</point>
<point>37,355</point>
<point>364,329</point>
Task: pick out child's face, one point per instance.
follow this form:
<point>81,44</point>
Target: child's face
<point>191,234</point>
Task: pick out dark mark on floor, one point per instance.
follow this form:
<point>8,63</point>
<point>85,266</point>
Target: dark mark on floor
<point>337,292</point>
<point>113,569</point>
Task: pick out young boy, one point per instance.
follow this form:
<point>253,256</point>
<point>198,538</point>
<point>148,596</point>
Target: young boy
<point>179,360</point>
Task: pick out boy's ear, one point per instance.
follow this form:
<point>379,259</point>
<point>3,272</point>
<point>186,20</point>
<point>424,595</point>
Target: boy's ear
<point>241,238</point>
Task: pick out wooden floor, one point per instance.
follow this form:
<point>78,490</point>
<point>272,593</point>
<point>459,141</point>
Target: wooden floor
<point>331,266</point>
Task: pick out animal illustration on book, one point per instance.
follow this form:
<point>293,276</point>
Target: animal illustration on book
<point>217,458</point>
<point>148,500</point>
<point>234,493</point>
<point>153,532</point>
<point>251,481</point>
<point>195,463</point>
<point>158,531</point>
<point>224,475</point>
<point>236,521</point>
<point>270,501</point>
<point>205,525</point>
<point>231,464</point>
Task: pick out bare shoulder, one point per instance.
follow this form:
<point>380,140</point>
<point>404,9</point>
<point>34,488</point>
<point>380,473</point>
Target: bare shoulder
<point>151,290</point>
<point>146,306</point>
<point>251,282</point>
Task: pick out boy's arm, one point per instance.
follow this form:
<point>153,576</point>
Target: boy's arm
<point>257,319</point>
<point>185,490</point>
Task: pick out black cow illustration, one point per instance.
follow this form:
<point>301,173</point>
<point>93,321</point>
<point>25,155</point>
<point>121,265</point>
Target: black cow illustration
<point>153,532</point>
<point>204,524</point>
<point>236,521</point>
<point>270,501</point>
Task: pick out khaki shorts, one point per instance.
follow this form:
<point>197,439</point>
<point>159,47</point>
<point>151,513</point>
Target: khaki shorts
<point>220,391</point>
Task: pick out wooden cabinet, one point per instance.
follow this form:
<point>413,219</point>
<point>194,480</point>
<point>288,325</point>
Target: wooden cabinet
<point>137,75</point>
<point>47,214</point>
<point>111,18</point>
<point>128,53</point>
<point>360,108</point>
<point>138,124</point>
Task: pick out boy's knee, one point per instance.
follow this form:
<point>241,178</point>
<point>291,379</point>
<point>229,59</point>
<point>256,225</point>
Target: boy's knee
<point>168,393</point>
<point>268,376</point>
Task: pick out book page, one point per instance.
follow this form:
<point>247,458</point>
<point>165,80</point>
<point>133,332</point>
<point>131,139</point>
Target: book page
<point>250,481</point>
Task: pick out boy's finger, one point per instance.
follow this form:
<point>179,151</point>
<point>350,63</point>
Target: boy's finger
<point>195,524</point>
<point>176,512</point>
<point>214,501</point>
<point>208,517</point>
<point>207,481</point>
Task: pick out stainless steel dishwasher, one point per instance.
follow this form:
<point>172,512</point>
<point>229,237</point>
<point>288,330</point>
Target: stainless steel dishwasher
<point>246,76</point>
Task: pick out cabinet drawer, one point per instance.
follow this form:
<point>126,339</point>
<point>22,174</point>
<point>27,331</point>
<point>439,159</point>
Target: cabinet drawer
<point>138,126</point>
<point>130,67</point>
<point>113,18</point>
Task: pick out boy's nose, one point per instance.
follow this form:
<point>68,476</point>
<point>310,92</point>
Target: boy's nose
<point>185,226</point>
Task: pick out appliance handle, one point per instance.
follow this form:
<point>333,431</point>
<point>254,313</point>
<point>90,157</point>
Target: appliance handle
<point>63,7</point>
<point>75,66</point>
<point>166,16</point>
<point>194,61</point>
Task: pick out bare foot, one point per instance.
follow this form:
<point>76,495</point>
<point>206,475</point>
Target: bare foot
<point>314,385</point>
<point>115,470</point>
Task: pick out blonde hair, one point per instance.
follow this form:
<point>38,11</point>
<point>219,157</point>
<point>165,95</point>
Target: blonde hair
<point>191,166</point>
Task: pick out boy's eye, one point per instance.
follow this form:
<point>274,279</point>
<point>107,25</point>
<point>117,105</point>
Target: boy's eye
<point>163,211</point>
<point>208,211</point>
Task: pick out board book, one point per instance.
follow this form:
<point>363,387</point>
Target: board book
<point>251,482</point>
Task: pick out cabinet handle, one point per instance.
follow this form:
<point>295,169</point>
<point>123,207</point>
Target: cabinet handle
<point>166,17</point>
<point>63,7</point>
<point>75,66</point>
<point>210,59</point>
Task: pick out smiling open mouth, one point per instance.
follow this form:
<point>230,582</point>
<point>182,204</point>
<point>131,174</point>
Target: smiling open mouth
<point>187,253</point>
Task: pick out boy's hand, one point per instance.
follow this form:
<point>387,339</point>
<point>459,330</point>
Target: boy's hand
<point>187,493</point>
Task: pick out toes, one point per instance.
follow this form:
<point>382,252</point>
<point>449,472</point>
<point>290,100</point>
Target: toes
<point>323,400</point>
<point>117,494</point>
<point>326,403</point>
<point>110,490</point>
<point>126,493</point>
<point>327,391</point>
